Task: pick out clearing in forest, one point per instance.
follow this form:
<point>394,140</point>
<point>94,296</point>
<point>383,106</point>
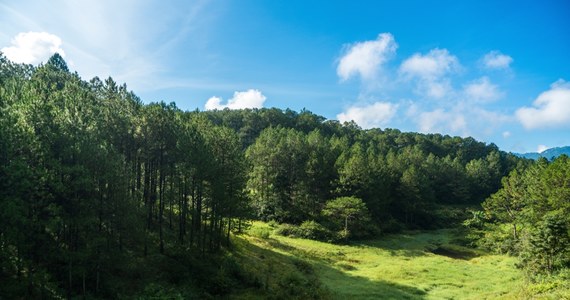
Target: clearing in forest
<point>414,265</point>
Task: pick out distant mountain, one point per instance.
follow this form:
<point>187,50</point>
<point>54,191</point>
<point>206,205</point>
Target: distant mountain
<point>548,154</point>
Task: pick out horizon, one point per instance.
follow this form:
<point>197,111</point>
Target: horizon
<point>479,69</point>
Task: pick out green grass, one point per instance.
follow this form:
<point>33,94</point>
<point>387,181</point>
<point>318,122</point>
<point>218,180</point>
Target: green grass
<point>416,265</point>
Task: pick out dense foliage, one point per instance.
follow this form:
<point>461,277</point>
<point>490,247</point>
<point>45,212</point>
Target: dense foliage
<point>530,217</point>
<point>92,181</point>
<point>96,186</point>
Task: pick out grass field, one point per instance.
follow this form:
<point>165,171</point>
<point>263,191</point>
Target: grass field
<point>415,265</point>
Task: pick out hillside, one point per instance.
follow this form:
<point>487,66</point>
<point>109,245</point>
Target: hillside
<point>412,265</point>
<point>103,196</point>
<point>548,154</point>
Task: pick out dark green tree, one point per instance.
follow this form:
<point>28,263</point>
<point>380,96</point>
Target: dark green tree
<point>548,247</point>
<point>349,213</point>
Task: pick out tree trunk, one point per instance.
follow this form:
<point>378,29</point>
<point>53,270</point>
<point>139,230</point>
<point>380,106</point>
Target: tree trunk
<point>193,210</point>
<point>182,210</point>
<point>171,198</point>
<point>229,229</point>
<point>161,211</point>
<point>515,231</point>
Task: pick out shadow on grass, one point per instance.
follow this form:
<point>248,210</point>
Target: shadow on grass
<point>275,271</point>
<point>343,285</point>
<point>454,253</point>
<point>403,245</point>
<point>421,243</point>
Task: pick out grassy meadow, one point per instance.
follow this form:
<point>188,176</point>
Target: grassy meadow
<point>415,265</point>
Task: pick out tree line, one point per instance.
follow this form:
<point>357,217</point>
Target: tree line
<point>529,217</point>
<point>92,180</point>
<point>298,162</point>
<point>88,174</point>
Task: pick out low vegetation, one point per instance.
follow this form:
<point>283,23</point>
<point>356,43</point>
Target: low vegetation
<point>412,265</point>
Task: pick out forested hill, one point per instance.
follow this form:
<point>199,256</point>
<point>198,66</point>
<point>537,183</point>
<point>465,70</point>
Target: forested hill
<point>548,153</point>
<point>99,192</point>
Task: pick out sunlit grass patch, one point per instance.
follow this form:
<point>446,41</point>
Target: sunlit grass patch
<point>414,265</point>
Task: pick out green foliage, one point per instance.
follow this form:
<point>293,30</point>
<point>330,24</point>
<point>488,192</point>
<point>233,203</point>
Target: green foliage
<point>399,266</point>
<point>349,214</point>
<point>94,183</point>
<point>260,232</point>
<point>529,216</point>
<point>285,229</point>
<point>307,230</point>
<point>547,249</point>
<point>88,174</point>
<point>315,231</point>
<point>57,62</point>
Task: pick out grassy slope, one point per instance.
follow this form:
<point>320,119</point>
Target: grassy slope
<point>394,267</point>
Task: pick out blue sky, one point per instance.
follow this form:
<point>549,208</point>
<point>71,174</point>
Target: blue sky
<point>495,70</point>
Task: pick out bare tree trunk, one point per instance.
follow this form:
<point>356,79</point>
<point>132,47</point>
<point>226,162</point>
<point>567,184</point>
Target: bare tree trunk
<point>161,185</point>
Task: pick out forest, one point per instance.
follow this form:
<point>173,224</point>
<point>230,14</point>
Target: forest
<point>103,196</point>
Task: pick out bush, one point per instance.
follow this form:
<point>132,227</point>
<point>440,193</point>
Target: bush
<point>272,224</point>
<point>314,231</point>
<point>296,285</point>
<point>547,248</point>
<point>497,239</point>
<point>287,230</point>
<point>260,232</point>
<point>307,230</point>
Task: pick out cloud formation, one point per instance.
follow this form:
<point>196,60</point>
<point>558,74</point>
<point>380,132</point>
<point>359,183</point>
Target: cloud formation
<point>440,120</point>
<point>136,42</point>
<point>365,58</point>
<point>33,47</point>
<point>482,90</point>
<point>374,115</point>
<point>550,109</point>
<point>430,71</point>
<point>496,60</point>
<point>464,119</point>
<point>248,99</point>
<point>431,66</point>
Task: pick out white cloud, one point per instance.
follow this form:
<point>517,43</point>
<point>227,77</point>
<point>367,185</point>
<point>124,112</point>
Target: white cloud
<point>482,90</point>
<point>431,66</point>
<point>506,134</point>
<point>133,41</point>
<point>483,122</point>
<point>248,99</point>
<point>496,60</point>
<point>442,121</point>
<point>369,116</point>
<point>550,109</point>
<point>366,57</point>
<point>463,119</point>
<point>541,148</point>
<point>436,89</point>
<point>33,47</point>
<point>430,70</point>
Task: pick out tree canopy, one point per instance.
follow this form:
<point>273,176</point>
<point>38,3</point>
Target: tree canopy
<point>94,181</point>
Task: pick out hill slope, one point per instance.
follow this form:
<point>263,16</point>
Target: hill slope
<point>548,154</point>
<point>416,265</point>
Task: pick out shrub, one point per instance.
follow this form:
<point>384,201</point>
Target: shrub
<point>260,232</point>
<point>287,230</point>
<point>307,230</point>
<point>547,248</point>
<point>314,231</point>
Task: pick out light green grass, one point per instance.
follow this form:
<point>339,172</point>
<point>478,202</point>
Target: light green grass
<point>395,267</point>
